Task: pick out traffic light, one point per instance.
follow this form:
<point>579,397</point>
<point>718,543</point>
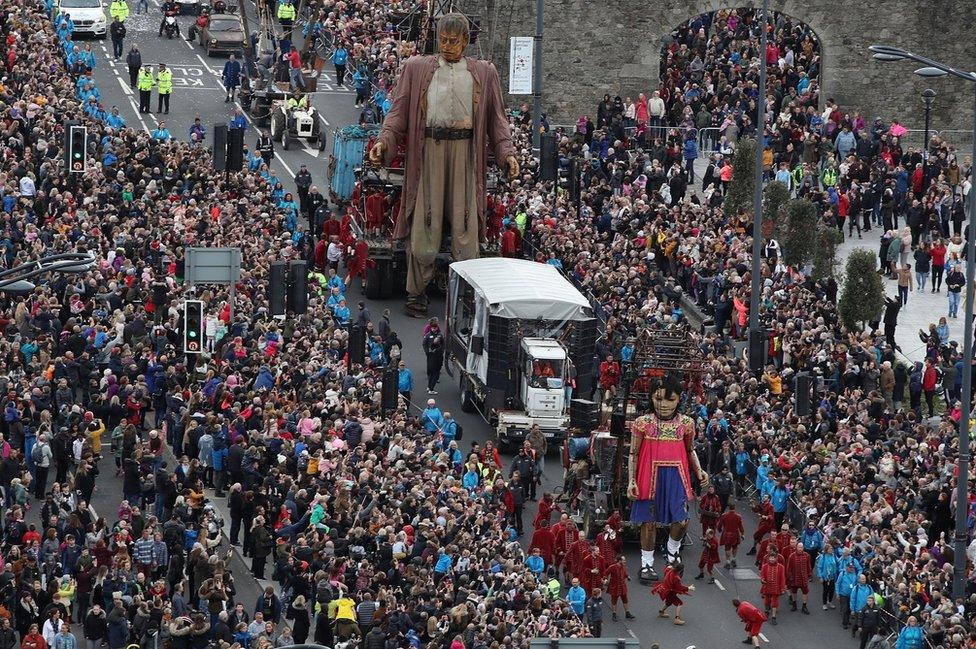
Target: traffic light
<point>77,148</point>
<point>193,327</point>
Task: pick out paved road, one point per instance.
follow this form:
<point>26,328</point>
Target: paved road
<point>197,92</point>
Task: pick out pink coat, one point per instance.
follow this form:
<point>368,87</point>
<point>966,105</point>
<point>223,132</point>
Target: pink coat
<point>407,119</point>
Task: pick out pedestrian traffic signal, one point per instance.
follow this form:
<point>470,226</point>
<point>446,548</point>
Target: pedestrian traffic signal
<point>193,327</point>
<point>77,148</point>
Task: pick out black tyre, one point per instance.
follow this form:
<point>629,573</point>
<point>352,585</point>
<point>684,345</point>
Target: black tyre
<point>373,283</point>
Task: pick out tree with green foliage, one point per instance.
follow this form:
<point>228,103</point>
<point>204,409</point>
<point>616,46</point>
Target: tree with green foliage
<point>825,253</point>
<point>799,227</point>
<point>743,185</point>
<point>862,297</point>
<point>775,196</point>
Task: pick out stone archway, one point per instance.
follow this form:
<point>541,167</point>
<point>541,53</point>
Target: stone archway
<point>803,14</point>
<point>594,47</point>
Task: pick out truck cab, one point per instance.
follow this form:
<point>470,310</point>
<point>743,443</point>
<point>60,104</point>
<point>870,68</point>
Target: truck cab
<point>543,364</point>
<point>513,327</point>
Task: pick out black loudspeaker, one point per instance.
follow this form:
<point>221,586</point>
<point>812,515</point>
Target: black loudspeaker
<point>804,383</point>
<point>298,287</point>
<point>235,149</point>
<point>618,424</point>
<point>584,414</point>
<point>220,147</point>
<point>391,381</point>
<point>547,157</point>
<point>758,346</point>
<point>278,288</point>
<point>356,350</point>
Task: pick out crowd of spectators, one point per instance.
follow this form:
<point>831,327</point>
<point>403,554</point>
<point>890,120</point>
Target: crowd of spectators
<point>870,468</point>
<point>361,515</point>
<point>371,525</point>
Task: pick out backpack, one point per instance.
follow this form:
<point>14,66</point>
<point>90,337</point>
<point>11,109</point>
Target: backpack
<point>37,453</point>
<point>458,431</point>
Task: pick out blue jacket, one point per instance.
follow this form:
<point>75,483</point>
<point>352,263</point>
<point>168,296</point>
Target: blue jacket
<point>911,637</point>
<point>535,564</point>
<point>265,379</point>
<point>859,596</point>
<point>340,56</point>
<point>470,480</point>
<point>432,419</point>
<point>780,498</point>
<point>842,564</point>
<point>691,149</point>
<point>577,599</point>
<point>444,563</point>
<point>845,582</point>
<point>405,382</point>
<point>812,540</point>
<point>827,567</point>
<point>741,463</point>
<point>450,431</point>
<point>232,74</point>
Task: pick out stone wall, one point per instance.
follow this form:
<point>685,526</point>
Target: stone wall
<point>592,47</point>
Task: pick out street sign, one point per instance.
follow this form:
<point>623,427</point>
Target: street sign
<point>520,57</point>
<point>213,265</point>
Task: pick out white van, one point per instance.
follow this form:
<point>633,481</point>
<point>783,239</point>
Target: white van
<point>88,16</point>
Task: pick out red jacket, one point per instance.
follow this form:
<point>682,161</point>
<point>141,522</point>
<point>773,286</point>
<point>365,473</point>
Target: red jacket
<point>929,379</point>
<point>617,574</point>
<point>749,614</point>
<point>731,528</point>
<point>509,243</point>
<point>543,539</point>
<point>773,577</point>
<point>670,585</point>
<point>798,569</point>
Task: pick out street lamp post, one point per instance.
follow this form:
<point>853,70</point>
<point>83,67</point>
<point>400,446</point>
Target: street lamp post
<point>757,337</point>
<point>935,69</point>
<point>17,279</point>
<point>928,96</point>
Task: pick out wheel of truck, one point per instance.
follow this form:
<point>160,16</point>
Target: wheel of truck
<point>467,399</point>
<point>277,120</point>
<point>393,287</point>
<point>321,141</point>
<point>373,283</point>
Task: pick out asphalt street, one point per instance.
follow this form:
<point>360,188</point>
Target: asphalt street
<point>198,92</point>
<point>711,622</point>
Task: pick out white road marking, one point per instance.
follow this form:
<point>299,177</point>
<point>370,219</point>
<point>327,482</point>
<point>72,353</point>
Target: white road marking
<point>691,646</point>
<point>206,65</point>
<point>135,109</point>
<point>632,634</point>
<point>762,636</point>
<point>310,150</point>
<point>719,584</point>
<point>125,87</point>
<point>188,44</point>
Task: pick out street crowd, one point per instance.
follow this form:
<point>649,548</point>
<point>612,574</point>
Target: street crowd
<point>361,517</point>
<point>858,495</point>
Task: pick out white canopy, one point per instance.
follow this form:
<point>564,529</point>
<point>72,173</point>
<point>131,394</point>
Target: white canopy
<point>516,288</point>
